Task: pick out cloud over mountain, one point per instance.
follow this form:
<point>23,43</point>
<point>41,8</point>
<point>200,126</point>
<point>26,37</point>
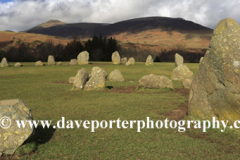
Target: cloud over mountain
<point>23,14</point>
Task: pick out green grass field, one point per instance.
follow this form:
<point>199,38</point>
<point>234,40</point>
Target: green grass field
<point>47,93</point>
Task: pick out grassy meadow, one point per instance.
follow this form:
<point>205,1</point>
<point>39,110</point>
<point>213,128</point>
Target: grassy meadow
<point>47,93</point>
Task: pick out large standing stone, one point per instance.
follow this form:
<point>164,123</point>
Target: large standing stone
<point>149,61</point>
<point>73,62</point>
<point>81,79</point>
<point>18,64</point>
<point>187,83</point>
<point>39,63</point>
<point>178,60</point>
<point>215,90</point>
<point>131,61</point>
<point>116,58</point>
<point>51,60</point>
<point>11,137</point>
<point>124,60</point>
<point>4,62</point>
<point>96,70</point>
<point>201,59</point>
<point>83,57</point>
<point>116,75</point>
<point>97,81</point>
<point>154,81</point>
<point>182,72</point>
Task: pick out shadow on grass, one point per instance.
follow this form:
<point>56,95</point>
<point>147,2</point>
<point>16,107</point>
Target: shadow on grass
<point>39,136</point>
<point>109,87</point>
<point>42,135</point>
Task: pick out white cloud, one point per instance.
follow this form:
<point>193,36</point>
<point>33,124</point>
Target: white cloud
<point>24,14</point>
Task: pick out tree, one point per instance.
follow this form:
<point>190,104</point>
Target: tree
<point>72,49</point>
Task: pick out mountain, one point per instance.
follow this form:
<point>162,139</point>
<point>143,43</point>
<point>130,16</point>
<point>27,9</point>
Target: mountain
<point>51,23</point>
<point>153,32</point>
<point>67,30</point>
<point>58,28</point>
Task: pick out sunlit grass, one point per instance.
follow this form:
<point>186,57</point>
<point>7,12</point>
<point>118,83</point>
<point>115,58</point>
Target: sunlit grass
<point>47,93</point>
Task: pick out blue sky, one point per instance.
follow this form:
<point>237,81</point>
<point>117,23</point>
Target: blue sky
<point>4,1</point>
<point>18,15</point>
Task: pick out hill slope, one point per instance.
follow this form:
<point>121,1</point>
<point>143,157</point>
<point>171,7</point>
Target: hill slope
<point>11,38</point>
<point>58,28</point>
<point>61,29</point>
<point>156,32</point>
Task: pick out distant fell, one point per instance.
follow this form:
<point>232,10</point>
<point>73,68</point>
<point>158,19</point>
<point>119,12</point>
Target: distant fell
<point>154,33</point>
<point>87,30</point>
<point>51,23</point>
<point>148,23</point>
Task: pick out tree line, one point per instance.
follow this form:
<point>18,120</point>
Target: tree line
<point>163,55</point>
<point>181,49</point>
<point>99,48</point>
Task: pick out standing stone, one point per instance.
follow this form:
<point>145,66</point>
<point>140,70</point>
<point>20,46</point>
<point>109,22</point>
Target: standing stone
<point>149,61</point>
<point>116,58</point>
<point>201,59</point>
<point>51,60</point>
<point>131,61</point>
<point>73,62</point>
<point>124,60</point>
<point>96,82</point>
<point>155,82</point>
<point>18,64</point>
<point>178,60</point>
<point>81,79</point>
<point>11,137</point>
<point>71,80</point>
<point>116,75</point>
<point>4,62</point>
<point>215,90</point>
<point>39,63</point>
<point>187,83</point>
<point>96,70</point>
<point>182,72</point>
<point>59,63</point>
<point>83,57</point>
